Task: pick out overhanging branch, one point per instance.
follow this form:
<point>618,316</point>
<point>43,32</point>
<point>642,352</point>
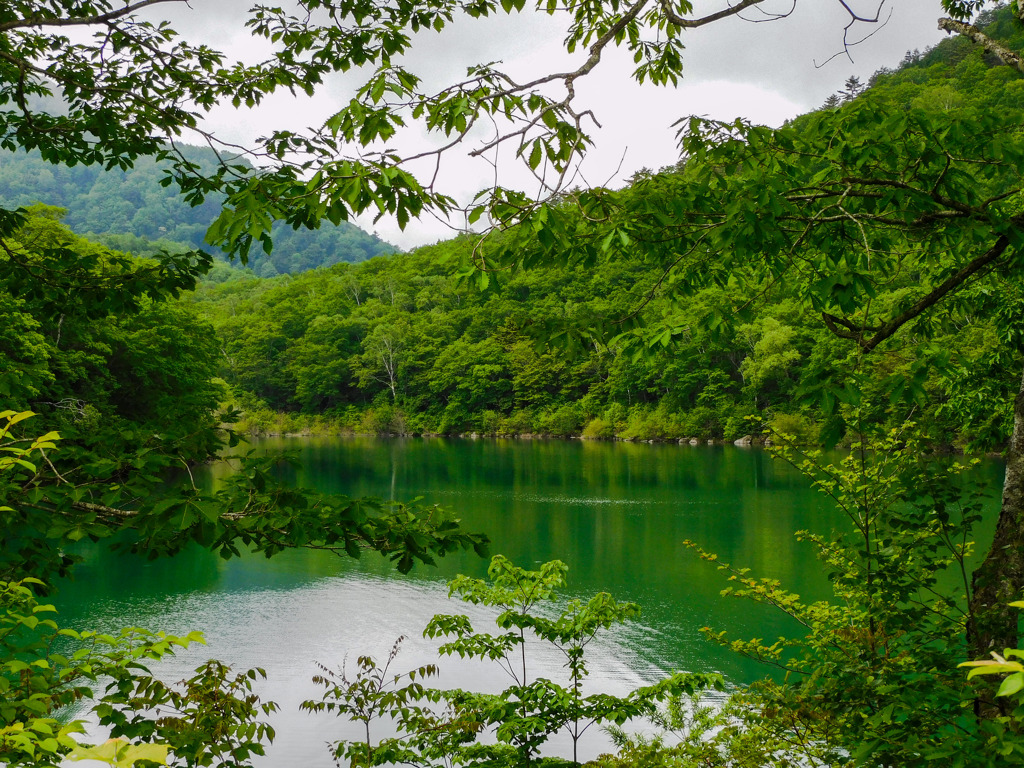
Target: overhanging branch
<point>685,23</point>
<point>978,37</point>
<point>954,282</point>
<point>103,18</point>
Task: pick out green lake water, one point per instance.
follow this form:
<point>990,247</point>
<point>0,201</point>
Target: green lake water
<point>616,513</point>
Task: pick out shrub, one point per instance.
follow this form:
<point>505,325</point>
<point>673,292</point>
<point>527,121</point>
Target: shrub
<point>741,422</point>
<point>702,421</point>
<point>795,428</point>
<point>563,422</point>
<point>599,429</point>
<point>454,420</point>
<point>383,419</point>
<point>490,422</point>
<point>645,424</point>
<point>510,728</point>
<point>616,416</point>
<point>517,423</point>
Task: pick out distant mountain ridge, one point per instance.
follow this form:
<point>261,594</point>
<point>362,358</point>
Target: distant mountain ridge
<point>125,209</point>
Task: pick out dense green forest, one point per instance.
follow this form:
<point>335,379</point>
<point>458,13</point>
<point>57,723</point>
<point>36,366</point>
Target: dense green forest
<point>131,210</point>
<point>851,277</point>
<point>400,345</point>
<point>403,345</point>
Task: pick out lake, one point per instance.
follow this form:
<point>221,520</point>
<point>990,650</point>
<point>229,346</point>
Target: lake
<point>616,513</point>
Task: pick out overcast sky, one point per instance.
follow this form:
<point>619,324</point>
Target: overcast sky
<point>767,72</point>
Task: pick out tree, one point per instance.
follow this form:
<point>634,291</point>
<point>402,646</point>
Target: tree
<point>520,718</point>
<point>870,677</point>
<point>126,378</point>
<point>832,102</point>
<point>852,88</point>
<point>961,12</point>
<point>383,355</point>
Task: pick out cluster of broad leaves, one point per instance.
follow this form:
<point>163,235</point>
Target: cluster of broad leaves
<point>130,86</point>
<point>47,671</point>
<point>453,727</point>
<point>114,397</point>
<point>126,378</point>
<point>867,216</point>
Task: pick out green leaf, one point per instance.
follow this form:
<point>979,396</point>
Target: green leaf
<point>1011,685</point>
<point>122,754</point>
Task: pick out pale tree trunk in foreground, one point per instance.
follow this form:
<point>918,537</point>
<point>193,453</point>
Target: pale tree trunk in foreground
<point>1000,578</point>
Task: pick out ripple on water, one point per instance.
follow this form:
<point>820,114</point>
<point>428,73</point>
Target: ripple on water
<point>332,621</point>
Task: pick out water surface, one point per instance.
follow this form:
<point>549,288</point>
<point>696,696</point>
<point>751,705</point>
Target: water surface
<point>616,513</point>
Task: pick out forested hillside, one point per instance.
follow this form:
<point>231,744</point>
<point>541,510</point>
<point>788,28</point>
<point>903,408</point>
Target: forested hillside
<point>130,210</point>
<point>402,345</point>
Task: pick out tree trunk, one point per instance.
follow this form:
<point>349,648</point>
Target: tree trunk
<point>1000,578</point>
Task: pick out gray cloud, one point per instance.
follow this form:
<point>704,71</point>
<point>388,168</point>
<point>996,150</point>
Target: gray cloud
<point>797,56</point>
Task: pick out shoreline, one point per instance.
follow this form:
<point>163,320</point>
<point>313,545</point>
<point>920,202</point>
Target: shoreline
<point>747,441</point>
